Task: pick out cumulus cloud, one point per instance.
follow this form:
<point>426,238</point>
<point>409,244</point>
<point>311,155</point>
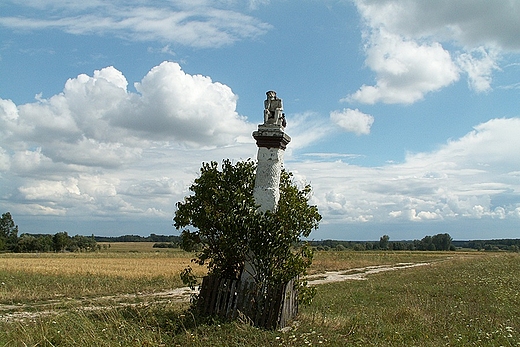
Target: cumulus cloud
<point>193,109</point>
<point>97,115</point>
<point>406,70</point>
<point>91,149</point>
<point>404,45</point>
<point>353,121</point>
<point>473,177</point>
<point>191,23</point>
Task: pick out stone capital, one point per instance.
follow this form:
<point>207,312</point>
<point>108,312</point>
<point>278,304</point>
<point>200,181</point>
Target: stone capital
<point>271,136</point>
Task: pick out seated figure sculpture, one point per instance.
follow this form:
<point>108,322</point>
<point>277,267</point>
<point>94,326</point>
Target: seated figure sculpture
<point>273,110</point>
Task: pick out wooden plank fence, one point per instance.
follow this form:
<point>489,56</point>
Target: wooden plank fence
<point>266,307</point>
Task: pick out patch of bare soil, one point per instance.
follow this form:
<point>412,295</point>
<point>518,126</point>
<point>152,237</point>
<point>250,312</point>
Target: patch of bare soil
<point>358,274</point>
<point>34,310</point>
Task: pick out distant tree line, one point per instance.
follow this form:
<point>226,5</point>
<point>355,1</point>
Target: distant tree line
<point>512,245</point>
<point>62,242</point>
<point>439,242</point>
<point>59,242</point>
<point>161,241</point>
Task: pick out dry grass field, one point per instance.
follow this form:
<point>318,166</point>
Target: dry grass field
<point>122,268</point>
<point>122,296</point>
<point>121,260</point>
<point>344,260</point>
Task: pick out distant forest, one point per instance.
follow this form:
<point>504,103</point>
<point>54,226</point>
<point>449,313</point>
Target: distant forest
<point>439,242</point>
<point>137,238</point>
<point>62,242</point>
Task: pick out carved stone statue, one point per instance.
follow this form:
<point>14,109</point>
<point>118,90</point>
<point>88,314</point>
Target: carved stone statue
<point>273,108</point>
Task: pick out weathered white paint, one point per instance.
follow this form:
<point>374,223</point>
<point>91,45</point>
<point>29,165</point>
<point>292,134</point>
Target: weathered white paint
<point>267,181</point>
<point>271,141</point>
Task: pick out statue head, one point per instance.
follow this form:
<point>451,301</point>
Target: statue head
<point>271,94</point>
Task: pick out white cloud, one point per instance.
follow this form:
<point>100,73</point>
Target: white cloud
<point>254,4</point>
<point>95,121</point>
<point>27,161</point>
<point>479,64</point>
<point>470,23</point>
<point>406,70</point>
<point>404,45</point>
<point>192,109</point>
<point>97,149</point>
<point>353,121</point>
<point>8,110</point>
<point>196,24</point>
<point>4,160</point>
<point>491,146</point>
<point>474,177</point>
<point>44,190</point>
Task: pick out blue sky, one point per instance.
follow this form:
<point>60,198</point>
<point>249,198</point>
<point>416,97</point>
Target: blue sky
<point>404,114</point>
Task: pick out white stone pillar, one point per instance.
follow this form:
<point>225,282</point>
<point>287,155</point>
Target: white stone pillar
<point>271,141</point>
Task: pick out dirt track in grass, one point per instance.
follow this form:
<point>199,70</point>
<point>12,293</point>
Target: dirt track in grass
<point>19,312</point>
<point>357,274</point>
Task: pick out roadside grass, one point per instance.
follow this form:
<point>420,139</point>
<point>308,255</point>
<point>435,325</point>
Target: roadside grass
<point>466,301</point>
<point>461,299</point>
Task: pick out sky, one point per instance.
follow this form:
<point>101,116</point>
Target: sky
<point>404,114</point>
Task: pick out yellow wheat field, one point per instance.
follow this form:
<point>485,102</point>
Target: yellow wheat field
<point>120,260</point>
<point>132,260</point>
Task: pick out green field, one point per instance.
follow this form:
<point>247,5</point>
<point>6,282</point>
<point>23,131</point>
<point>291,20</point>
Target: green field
<point>122,296</point>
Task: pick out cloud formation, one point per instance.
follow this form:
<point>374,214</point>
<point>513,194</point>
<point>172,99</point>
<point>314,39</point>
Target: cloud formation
<point>98,113</point>
<point>89,148</point>
<point>406,70</point>
<point>199,24</point>
<point>474,177</point>
<point>404,45</point>
<point>100,150</point>
<point>97,150</point>
<point>353,121</point>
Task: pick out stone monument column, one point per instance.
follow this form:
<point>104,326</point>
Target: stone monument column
<point>271,141</point>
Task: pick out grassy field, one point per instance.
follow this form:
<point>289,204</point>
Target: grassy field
<point>460,299</point>
<point>122,268</point>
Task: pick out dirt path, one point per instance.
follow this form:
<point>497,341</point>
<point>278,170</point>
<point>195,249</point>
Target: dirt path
<point>49,307</point>
<point>357,274</point>
<point>32,311</point>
